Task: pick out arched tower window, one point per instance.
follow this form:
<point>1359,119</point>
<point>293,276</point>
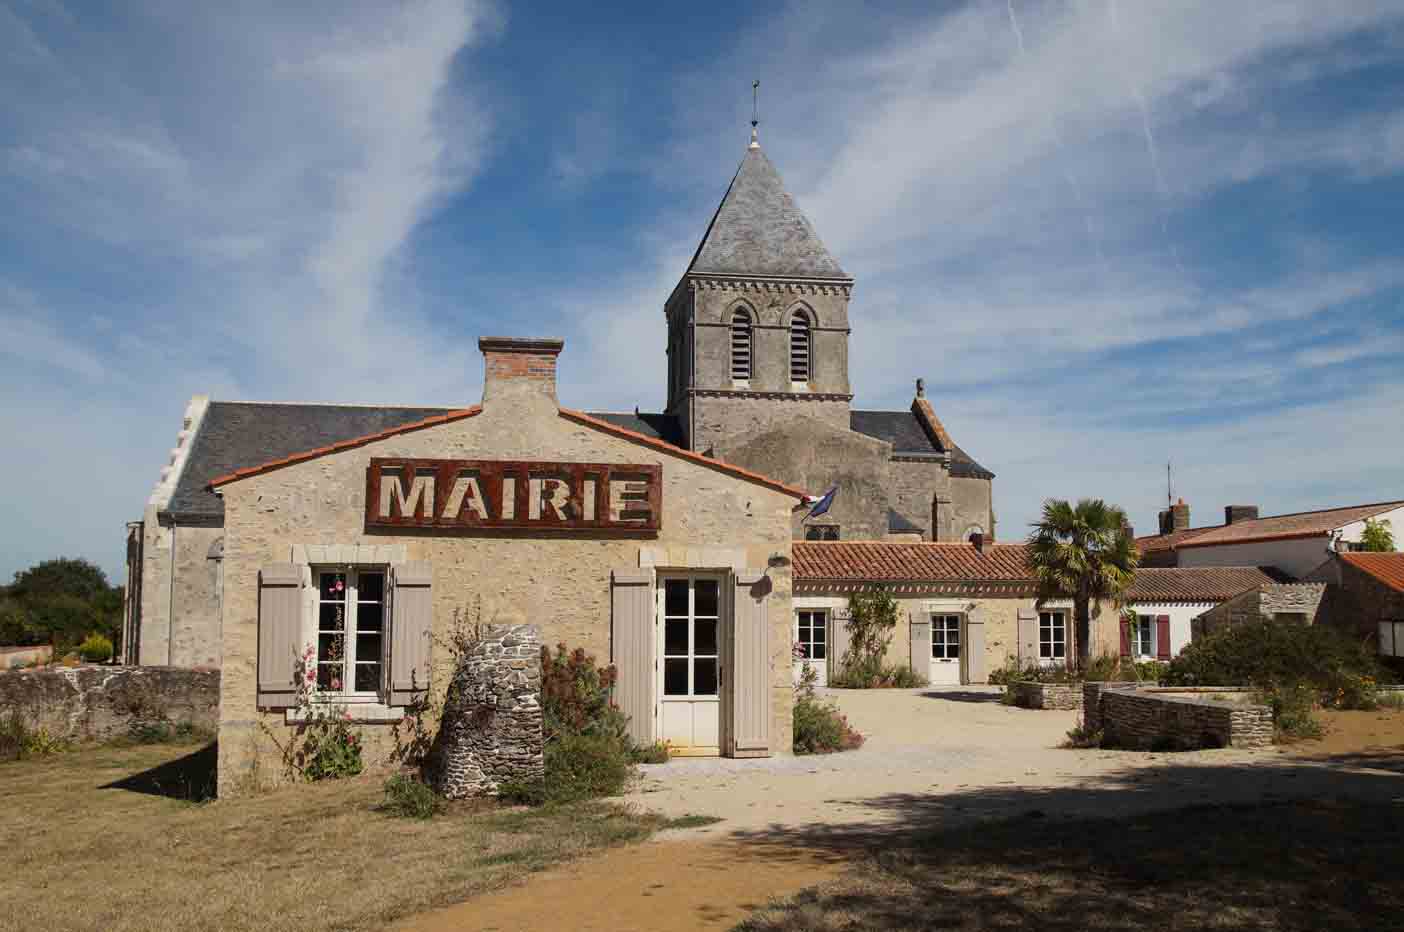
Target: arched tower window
<point>801,346</point>
<point>740,344</point>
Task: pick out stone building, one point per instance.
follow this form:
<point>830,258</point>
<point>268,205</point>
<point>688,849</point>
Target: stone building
<point>348,561</point>
<point>758,331</point>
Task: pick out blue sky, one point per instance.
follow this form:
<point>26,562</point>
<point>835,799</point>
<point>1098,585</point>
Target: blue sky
<point>1107,233</point>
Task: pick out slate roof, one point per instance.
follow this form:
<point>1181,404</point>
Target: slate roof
<point>903,430</point>
<point>891,561</point>
<point>239,435</point>
<point>758,229</point>
<point>1388,568</point>
<point>1283,527</point>
<point>1200,583</point>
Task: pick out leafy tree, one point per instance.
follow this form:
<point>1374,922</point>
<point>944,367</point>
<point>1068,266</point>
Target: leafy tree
<point>1377,536</point>
<point>1084,553</point>
<point>63,576</point>
<point>872,619</point>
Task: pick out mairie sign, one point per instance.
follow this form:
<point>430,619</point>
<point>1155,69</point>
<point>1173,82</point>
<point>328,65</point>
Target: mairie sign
<point>420,493</point>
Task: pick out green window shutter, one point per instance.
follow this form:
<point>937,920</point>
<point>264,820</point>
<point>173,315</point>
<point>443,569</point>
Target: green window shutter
<point>280,644</point>
<point>633,651</point>
<point>411,631</point>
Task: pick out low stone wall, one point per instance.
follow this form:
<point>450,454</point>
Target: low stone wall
<point>491,730</point>
<point>93,703</point>
<point>1152,719</point>
<point>13,658</point>
<point>1092,700</point>
<point>1046,695</point>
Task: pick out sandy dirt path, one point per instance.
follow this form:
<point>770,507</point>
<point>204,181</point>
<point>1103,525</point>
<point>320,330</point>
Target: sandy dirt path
<point>933,761</point>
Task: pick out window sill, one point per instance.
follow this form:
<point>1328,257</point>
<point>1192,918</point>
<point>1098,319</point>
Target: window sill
<point>368,713</point>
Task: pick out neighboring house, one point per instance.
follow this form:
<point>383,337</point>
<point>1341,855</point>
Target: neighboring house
<point>1165,600</point>
<point>1295,543</point>
<point>1368,597</point>
<point>1300,603</point>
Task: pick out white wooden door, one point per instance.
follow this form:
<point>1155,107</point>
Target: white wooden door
<point>945,650</point>
<point>689,663</point>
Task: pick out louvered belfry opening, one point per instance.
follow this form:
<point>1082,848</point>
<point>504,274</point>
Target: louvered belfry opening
<point>799,347</point>
<point>740,344</point>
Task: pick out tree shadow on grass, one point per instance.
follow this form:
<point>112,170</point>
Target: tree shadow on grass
<point>190,778</point>
<point>1280,844</point>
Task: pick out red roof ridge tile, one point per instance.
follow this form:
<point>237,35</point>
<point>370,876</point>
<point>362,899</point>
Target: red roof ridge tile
<point>341,445</point>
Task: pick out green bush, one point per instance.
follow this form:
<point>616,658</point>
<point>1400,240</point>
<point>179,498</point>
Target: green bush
<point>874,674</point>
<point>95,649</point>
<point>18,740</point>
<point>577,767</point>
<point>1271,655</point>
<point>1291,711</point>
<point>575,695</point>
<point>655,753</point>
<point>1080,736</point>
<point>409,798</point>
<point>820,728</point>
<point>331,750</point>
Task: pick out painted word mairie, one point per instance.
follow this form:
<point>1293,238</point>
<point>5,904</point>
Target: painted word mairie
<point>416,493</point>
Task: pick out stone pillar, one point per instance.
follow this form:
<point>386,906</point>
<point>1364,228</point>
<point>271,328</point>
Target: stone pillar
<point>491,729</point>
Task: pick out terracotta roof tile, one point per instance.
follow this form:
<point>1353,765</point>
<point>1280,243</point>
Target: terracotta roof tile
<point>1199,583</point>
<point>1388,568</point>
<point>881,561</point>
<point>1157,542</point>
<point>1283,527</point>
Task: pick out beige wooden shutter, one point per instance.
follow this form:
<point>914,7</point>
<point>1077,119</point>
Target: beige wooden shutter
<point>1028,637</point>
<point>411,631</point>
<point>633,652</point>
<point>972,647</point>
<point>750,677</point>
<point>838,644</point>
<point>921,646</point>
<point>279,634</point>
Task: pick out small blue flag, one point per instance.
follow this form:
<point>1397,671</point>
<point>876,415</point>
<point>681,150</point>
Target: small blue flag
<point>822,505</point>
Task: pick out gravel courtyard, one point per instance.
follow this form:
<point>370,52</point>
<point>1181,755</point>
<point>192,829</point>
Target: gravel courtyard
<point>943,756</point>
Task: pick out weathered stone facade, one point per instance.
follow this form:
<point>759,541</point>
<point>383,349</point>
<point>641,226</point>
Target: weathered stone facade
<point>1161,719</point>
<point>712,520</point>
<point>1289,603</point>
<point>93,703</point>
<point>491,729</point>
<point>1092,701</point>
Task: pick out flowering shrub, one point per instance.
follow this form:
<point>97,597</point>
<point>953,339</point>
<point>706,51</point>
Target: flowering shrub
<point>324,744</point>
<point>820,728</point>
<point>575,695</point>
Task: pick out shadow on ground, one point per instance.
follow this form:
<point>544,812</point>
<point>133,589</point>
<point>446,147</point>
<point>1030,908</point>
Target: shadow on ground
<point>190,778</point>
<point>1281,844</point>
<point>962,695</point>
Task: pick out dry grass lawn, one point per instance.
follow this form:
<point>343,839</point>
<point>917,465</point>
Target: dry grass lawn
<point>1307,865</point>
<point>80,853</point>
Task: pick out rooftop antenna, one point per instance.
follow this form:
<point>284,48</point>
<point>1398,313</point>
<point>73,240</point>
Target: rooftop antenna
<point>755,112</point>
<point>1169,496</point>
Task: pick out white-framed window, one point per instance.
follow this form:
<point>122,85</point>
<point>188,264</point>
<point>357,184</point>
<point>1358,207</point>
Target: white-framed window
<point>812,634</point>
<point>740,344</point>
<point>1052,635</point>
<point>1143,636</point>
<point>801,347</point>
<point>691,622</point>
<point>945,637</point>
<point>350,631</point>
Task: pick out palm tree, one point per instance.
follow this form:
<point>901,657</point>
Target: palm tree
<point>1083,553</point>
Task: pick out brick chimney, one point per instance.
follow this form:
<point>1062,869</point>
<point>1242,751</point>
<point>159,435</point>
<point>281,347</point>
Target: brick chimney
<point>1175,518</point>
<point>516,369</point>
<point>1236,513</point>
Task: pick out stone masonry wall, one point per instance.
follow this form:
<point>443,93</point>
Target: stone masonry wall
<point>1046,695</point>
<point>1148,719</point>
<point>491,730</point>
<point>1092,701</point>
<point>93,703</point>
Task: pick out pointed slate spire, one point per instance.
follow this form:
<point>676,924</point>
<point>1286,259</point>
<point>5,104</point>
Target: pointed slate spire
<point>760,230</point>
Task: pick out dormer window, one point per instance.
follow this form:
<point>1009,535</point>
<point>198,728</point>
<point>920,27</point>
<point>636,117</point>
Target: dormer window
<point>740,345</point>
<point>801,345</point>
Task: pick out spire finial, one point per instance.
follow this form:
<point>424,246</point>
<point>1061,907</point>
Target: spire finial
<point>755,112</point>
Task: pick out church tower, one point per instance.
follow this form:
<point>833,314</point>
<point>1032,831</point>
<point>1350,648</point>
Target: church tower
<point>758,325</point>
